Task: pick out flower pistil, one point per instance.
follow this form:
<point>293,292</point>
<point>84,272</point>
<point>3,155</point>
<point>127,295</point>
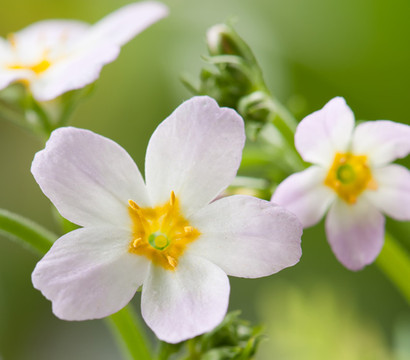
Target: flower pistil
<point>161,233</point>
<point>349,176</point>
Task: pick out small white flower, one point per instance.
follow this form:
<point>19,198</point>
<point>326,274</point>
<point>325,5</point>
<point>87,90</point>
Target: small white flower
<point>352,177</point>
<point>166,233</point>
<point>54,56</point>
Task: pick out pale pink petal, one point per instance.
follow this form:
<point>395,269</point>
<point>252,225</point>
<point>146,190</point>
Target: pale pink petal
<point>355,233</point>
<point>99,46</point>
<point>393,191</point>
<point>305,195</point>
<point>122,25</point>
<point>73,72</point>
<point>88,177</point>
<point>382,141</point>
<point>193,299</point>
<point>89,274</point>
<point>324,132</point>
<point>195,152</point>
<point>246,236</point>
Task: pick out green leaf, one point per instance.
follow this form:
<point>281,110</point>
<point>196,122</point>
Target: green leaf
<point>28,233</point>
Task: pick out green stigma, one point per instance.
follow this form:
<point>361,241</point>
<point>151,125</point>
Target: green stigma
<point>158,240</point>
<point>345,174</point>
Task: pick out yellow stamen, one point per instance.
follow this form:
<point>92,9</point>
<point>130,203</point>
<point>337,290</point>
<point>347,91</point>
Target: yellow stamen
<point>172,261</point>
<point>38,68</point>
<point>162,233</point>
<point>349,176</point>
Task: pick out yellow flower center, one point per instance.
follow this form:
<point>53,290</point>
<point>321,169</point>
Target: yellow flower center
<point>161,234</point>
<point>349,176</point>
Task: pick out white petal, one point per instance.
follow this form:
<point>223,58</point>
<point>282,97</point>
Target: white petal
<point>73,72</point>
<point>195,152</point>
<point>324,132</point>
<point>88,273</point>
<point>393,193</point>
<point>123,24</point>
<point>305,195</point>
<point>98,47</point>
<point>88,177</point>
<point>9,76</point>
<point>382,141</point>
<point>247,237</point>
<point>355,233</point>
<point>193,299</point>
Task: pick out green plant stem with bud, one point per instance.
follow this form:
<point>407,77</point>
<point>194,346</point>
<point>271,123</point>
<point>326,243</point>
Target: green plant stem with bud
<point>236,81</point>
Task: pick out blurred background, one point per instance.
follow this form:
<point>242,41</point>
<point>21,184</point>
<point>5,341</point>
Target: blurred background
<point>310,51</point>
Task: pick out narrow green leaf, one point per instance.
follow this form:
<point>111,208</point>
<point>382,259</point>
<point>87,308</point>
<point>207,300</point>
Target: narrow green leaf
<point>126,327</point>
<point>28,233</point>
<point>394,261</point>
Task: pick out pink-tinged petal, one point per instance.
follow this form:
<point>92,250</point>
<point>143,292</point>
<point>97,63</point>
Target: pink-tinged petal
<point>89,274</point>
<point>99,46</point>
<point>393,191</point>
<point>73,72</point>
<point>88,177</point>
<point>247,237</point>
<point>355,233</point>
<point>382,141</point>
<point>195,152</point>
<point>324,132</point>
<point>123,24</point>
<point>305,195</point>
<point>193,299</point>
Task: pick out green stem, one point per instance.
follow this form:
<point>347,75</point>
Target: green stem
<point>394,261</point>
<point>126,327</point>
<point>28,233</point>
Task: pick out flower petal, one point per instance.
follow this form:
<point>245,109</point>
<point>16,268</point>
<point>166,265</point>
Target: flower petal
<point>193,299</point>
<point>393,193</point>
<point>123,24</point>
<point>195,152</point>
<point>382,141</point>
<point>305,195</point>
<point>98,47</point>
<point>324,132</point>
<point>355,233</point>
<point>88,177</point>
<point>247,237</point>
<point>89,274</point>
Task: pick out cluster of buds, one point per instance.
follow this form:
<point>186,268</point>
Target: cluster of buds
<point>235,78</point>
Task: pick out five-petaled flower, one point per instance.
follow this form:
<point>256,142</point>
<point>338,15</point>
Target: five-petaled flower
<point>352,177</point>
<point>167,233</point>
<point>54,56</point>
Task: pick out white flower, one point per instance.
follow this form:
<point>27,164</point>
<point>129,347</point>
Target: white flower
<point>352,177</point>
<point>54,56</point>
<point>166,234</point>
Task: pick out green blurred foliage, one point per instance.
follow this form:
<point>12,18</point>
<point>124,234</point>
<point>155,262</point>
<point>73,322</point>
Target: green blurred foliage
<point>310,51</point>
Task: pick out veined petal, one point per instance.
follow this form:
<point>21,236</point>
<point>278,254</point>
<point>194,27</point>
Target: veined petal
<point>247,237</point>
<point>123,24</point>
<point>355,232</point>
<point>393,192</point>
<point>88,177</point>
<point>193,299</point>
<point>73,72</point>
<point>324,132</point>
<point>382,141</point>
<point>89,274</point>
<point>305,195</point>
<point>195,152</point>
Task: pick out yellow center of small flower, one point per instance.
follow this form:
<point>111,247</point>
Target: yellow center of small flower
<point>38,68</point>
<point>349,176</point>
<point>161,234</point>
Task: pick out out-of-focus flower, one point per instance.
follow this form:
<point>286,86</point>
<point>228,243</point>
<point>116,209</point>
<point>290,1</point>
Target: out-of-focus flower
<point>166,234</point>
<point>54,56</point>
<point>352,177</point>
